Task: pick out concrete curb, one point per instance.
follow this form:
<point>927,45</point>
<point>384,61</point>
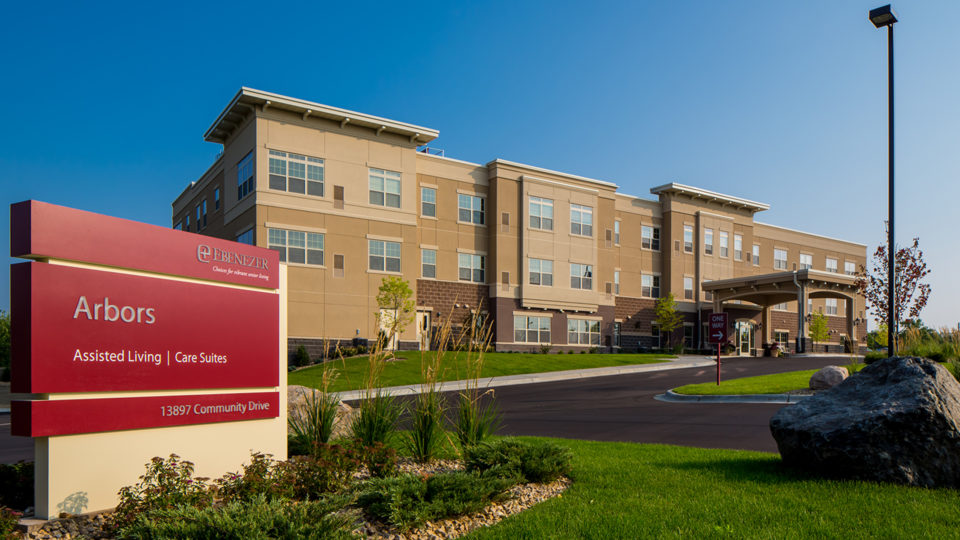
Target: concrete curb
<point>532,378</point>
<point>673,397</point>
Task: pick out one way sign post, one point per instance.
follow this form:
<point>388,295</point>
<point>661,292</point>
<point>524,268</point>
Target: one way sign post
<point>718,335</point>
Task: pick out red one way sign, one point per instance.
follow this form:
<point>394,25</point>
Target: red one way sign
<point>718,328</point>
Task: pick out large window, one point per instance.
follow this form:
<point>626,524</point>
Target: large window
<point>246,237</point>
<point>581,276</point>
<point>830,306</point>
<point>649,286</point>
<point>216,199</point>
<point>687,288</point>
<point>737,247</point>
<point>782,338</point>
<point>617,330</point>
<point>204,206</point>
<point>541,272</point>
<point>199,221</point>
<point>650,237</point>
<point>616,232</point>
<point>616,282</point>
<point>296,246</point>
<point>471,267</point>
<point>849,268</point>
<point>688,336</point>
<point>655,333</point>
<point>756,254</point>
<point>245,176</point>
<point>688,238</point>
<point>296,173</point>
<point>581,220</point>
<point>724,244</point>
<point>806,261</point>
<point>531,329</point>
<point>541,214</point>
<point>428,202</point>
<point>428,259</point>
<point>384,188</point>
<point>780,259</point>
<point>470,209</point>
<point>384,256</point>
<point>708,241</point>
<point>831,265</point>
<point>583,332</point>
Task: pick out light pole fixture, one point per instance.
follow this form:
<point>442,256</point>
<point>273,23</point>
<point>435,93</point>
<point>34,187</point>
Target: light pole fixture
<point>880,17</point>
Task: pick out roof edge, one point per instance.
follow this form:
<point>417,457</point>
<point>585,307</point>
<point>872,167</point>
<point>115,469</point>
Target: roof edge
<point>683,188</point>
<point>499,161</point>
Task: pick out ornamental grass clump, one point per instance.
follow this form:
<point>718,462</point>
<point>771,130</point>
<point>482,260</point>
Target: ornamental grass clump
<point>378,412</point>
<point>427,436</point>
<point>312,419</point>
<point>477,414</point>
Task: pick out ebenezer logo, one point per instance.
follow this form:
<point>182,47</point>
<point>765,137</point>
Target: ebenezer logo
<point>205,254</point>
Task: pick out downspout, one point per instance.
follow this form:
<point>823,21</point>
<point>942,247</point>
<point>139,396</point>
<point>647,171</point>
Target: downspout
<point>800,308</point>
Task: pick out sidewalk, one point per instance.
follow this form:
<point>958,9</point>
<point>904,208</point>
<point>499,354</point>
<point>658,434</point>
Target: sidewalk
<point>681,362</point>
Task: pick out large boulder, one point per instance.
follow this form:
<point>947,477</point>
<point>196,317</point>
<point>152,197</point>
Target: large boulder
<point>828,377</point>
<point>894,421</point>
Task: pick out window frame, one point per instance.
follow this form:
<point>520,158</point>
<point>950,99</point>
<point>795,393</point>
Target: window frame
<point>653,241</point>
<point>288,244</point>
<point>245,184</point>
<point>836,263</point>
<point>737,247</point>
<point>539,330</point>
<point>472,212</point>
<point>805,265</point>
<point>216,199</point>
<point>616,282</point>
<point>616,232</point>
<point>281,166</point>
<point>578,226</point>
<point>846,265</point>
<point>472,259</point>
<point>583,327</point>
<point>781,264</point>
<point>424,202</point>
<point>654,286</point>
<point>688,287</point>
<point>383,256</point>
<point>756,254</point>
<point>707,241</point>
<point>424,264</point>
<point>541,204</point>
<point>724,244</point>
<point>828,309</point>
<point>386,179</point>
<point>539,272</point>
<point>584,275</point>
<point>688,238</point>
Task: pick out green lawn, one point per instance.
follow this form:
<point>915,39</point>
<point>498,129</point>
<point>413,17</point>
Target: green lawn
<point>777,383</point>
<point>406,370</point>
<point>627,490</point>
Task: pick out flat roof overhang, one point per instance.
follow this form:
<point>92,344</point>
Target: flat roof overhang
<point>710,196</point>
<point>779,287</point>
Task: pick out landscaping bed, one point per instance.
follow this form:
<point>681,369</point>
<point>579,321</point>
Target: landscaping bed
<point>791,382</point>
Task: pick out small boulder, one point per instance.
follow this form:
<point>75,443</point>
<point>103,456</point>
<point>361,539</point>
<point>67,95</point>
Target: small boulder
<point>828,377</point>
<point>894,421</point>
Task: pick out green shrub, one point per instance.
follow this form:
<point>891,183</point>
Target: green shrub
<point>569,351</point>
<point>168,483</point>
<point>477,419</point>
<point>532,462</point>
<point>297,446</point>
<point>312,419</point>
<point>328,469</point>
<point>349,351</point>
<point>408,501</point>
<point>16,485</point>
<point>380,459</point>
<point>376,421</point>
<point>544,349</point>
<point>873,356</point>
<point>301,358</point>
<point>361,349</point>
<point>425,437</point>
<point>583,351</point>
<point>8,524</point>
<point>260,518</point>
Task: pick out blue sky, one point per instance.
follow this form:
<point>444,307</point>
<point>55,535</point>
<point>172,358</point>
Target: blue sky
<point>105,105</point>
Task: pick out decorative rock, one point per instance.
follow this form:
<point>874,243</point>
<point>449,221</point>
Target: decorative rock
<point>828,377</point>
<point>894,421</point>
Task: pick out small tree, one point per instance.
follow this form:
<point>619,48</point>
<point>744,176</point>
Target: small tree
<point>396,299</point>
<point>819,332</point>
<point>909,295</point>
<point>667,316</point>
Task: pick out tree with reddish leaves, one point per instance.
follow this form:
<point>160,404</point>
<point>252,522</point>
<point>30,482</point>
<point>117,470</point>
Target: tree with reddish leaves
<point>909,294</point>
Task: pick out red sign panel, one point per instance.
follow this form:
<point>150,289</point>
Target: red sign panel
<point>718,328</point>
<point>39,230</point>
<point>66,417</point>
<point>79,330</point>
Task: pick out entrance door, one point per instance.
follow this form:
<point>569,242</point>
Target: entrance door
<point>423,330</point>
<point>744,338</point>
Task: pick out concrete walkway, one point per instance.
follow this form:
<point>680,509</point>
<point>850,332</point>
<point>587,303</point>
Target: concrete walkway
<point>681,362</point>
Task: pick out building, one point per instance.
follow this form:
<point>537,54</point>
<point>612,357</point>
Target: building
<point>556,259</point>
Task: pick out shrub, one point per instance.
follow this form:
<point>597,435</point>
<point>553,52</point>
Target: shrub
<point>361,349</point>
<point>16,485</point>
<point>545,349</point>
<point>408,501</point>
<point>476,421</point>
<point>426,434</point>
<point>312,419</point>
<point>328,469</point>
<point>380,459</point>
<point>569,351</point>
<point>168,483</point>
<point>349,351</point>
<point>8,524</point>
<point>301,358</point>
<point>583,351</point>
<point>533,462</point>
<point>873,356</point>
<point>376,420</point>
<point>261,518</point>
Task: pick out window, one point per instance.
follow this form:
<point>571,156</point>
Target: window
<point>688,238</point>
<point>724,244</point>
<point>581,220</point>
<point>384,256</point>
<point>245,176</point>
<point>296,173</point>
<point>737,247</point>
<point>687,288</point>
<point>708,241</point>
<point>199,219</point>
<point>616,232</point>
<point>688,336</point>
<point>384,188</point>
<point>581,276</point>
<point>707,295</point>
<point>809,305</point>
<point>296,246</point>
<point>782,338</point>
<point>849,268</point>
<point>541,214</point>
<point>246,237</point>
<point>186,222</point>
<point>531,329</point>
<point>806,261</point>
<point>428,260</point>
<point>204,205</point>
<point>780,259</point>
<point>616,282</point>
<point>649,286</point>
<point>541,272</point>
<point>650,238</point>
<point>756,254</point>
<point>216,199</point>
<point>583,332</point>
<point>471,267</point>
<point>470,209</point>
<point>617,328</point>
<point>781,307</point>
<point>831,265</point>
<point>428,202</point>
<point>831,306</point>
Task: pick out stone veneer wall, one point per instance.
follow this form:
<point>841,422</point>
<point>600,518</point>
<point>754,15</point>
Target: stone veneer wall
<point>504,309</point>
<point>443,297</point>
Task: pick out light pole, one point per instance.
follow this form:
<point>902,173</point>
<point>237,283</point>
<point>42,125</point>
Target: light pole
<point>880,17</point>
